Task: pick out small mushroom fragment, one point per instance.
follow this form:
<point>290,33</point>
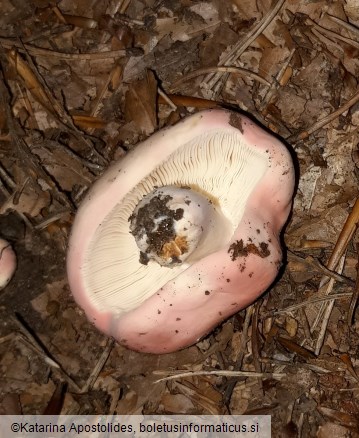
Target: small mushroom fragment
<point>182,232</point>
<point>7,263</point>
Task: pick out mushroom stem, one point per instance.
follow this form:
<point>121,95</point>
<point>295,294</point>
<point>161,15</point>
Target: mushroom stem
<point>172,225</point>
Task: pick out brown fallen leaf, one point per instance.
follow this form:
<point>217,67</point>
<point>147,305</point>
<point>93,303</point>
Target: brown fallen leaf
<point>55,404</point>
<point>88,122</point>
<point>342,418</point>
<point>30,80</point>
<point>140,104</point>
<point>293,347</point>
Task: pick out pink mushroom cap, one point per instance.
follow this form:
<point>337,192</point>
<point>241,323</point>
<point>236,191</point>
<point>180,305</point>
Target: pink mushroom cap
<point>7,263</point>
<point>159,309</point>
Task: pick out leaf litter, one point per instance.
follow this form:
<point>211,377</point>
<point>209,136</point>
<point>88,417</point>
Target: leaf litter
<point>81,83</point>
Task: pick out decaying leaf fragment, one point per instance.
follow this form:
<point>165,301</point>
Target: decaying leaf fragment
<point>140,104</point>
<point>30,80</point>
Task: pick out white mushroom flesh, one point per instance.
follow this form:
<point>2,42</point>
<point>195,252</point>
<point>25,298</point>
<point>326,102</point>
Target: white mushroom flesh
<point>172,225</point>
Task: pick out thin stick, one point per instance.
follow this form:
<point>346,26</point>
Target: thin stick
<point>98,367</point>
<point>38,51</point>
<point>343,23</point>
<point>242,350</point>
<point>289,309</point>
<point>355,296</point>
<point>243,44</point>
<point>274,85</point>
<point>332,34</point>
<point>340,247</point>
<point>124,6</point>
<point>183,374</point>
<point>315,263</point>
<point>325,120</point>
<point>166,98</point>
<point>327,311</point>
<point>40,349</point>
<point>202,71</point>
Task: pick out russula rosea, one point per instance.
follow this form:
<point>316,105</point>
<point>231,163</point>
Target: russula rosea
<point>7,263</point>
<point>182,232</point>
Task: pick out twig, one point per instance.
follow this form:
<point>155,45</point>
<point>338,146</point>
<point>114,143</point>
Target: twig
<point>51,219</point>
<point>196,102</point>
<point>243,44</point>
<point>343,23</point>
<point>315,263</point>
<point>124,6</point>
<point>326,40</point>
<point>306,303</point>
<point>324,121</point>
<point>166,98</point>
<point>242,350</point>
<point>180,375</point>
<point>254,338</point>
<point>115,71</point>
<point>38,51</point>
<point>98,367</point>
<point>202,71</point>
<point>40,349</point>
<point>340,247</point>
<point>43,95</point>
<point>325,311</point>
<point>332,34</point>
<point>255,342</point>
<point>274,85</point>
<point>24,154</point>
<point>355,296</point>
<point>6,177</point>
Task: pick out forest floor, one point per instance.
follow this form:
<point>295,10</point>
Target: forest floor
<point>83,81</point>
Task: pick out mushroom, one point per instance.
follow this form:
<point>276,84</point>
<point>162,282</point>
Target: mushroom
<point>182,232</point>
<point>7,263</point>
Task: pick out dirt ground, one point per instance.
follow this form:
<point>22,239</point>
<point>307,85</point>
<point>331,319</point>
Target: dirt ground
<point>83,81</point>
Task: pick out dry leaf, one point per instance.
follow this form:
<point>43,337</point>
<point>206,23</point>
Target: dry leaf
<point>140,104</point>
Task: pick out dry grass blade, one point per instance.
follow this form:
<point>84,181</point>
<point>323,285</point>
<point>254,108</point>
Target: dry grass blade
<point>112,82</point>
<point>164,97</point>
